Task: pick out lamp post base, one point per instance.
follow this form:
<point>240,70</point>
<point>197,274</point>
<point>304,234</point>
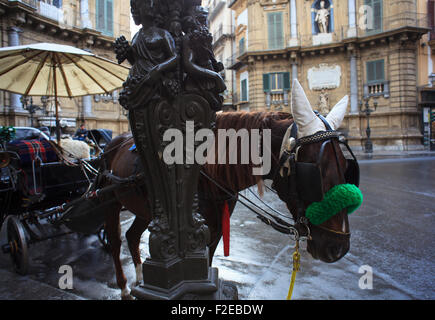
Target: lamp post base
<point>211,288</point>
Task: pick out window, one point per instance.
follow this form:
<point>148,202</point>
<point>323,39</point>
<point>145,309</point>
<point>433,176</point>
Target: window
<point>276,82</point>
<point>375,71</point>
<point>105,16</point>
<point>56,3</point>
<point>275,30</point>
<point>374,23</point>
<point>244,90</point>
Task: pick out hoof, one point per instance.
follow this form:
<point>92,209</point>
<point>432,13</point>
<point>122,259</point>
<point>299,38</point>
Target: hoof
<point>139,275</point>
<point>125,294</point>
<point>127,297</point>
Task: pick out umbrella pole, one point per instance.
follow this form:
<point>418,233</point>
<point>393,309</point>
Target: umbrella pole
<point>56,106</point>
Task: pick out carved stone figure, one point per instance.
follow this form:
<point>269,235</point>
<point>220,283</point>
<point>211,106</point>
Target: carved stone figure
<point>152,55</point>
<point>323,106</point>
<point>199,61</point>
<point>322,18</point>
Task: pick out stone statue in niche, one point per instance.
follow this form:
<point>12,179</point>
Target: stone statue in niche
<point>322,18</point>
<point>323,106</point>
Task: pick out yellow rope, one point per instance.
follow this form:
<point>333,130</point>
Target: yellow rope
<point>296,268</point>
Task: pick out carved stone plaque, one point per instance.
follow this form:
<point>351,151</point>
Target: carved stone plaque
<point>324,77</point>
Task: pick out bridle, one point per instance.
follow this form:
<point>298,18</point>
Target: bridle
<point>295,184</point>
<point>302,182</point>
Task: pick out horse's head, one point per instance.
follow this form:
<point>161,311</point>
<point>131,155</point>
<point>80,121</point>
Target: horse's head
<point>312,165</point>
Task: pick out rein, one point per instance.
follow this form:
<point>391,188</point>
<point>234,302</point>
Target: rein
<point>266,217</point>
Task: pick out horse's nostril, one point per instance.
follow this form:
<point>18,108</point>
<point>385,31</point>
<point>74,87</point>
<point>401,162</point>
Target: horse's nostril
<point>334,252</point>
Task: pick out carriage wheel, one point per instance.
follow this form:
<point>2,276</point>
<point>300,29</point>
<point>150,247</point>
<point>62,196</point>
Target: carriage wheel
<point>102,236</point>
<point>17,244</point>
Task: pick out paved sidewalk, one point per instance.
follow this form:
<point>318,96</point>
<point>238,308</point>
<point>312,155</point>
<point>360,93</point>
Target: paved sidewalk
<point>361,155</point>
<point>16,287</point>
<point>394,227</point>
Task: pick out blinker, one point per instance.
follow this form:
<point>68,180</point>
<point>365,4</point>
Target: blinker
<point>309,182</point>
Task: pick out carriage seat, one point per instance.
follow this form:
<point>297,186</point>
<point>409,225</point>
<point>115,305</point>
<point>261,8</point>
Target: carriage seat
<point>31,150</point>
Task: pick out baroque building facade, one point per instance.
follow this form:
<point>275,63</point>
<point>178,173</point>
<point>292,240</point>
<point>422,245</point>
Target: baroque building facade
<point>360,48</point>
<point>221,20</point>
<point>91,25</point>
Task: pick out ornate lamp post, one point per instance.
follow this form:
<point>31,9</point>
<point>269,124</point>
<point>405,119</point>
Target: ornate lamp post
<point>28,105</point>
<point>165,91</point>
<point>367,111</point>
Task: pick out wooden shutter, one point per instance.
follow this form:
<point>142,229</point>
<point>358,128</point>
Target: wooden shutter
<point>279,30</point>
<point>109,17</point>
<point>241,46</point>
<point>286,79</point>
<point>270,24</point>
<point>244,90</point>
<point>266,82</point>
<point>275,30</point>
<point>430,10</point>
<point>371,73</point>
<point>379,69</point>
<point>377,15</point>
<point>100,15</point>
<point>376,6</point>
<point>375,71</point>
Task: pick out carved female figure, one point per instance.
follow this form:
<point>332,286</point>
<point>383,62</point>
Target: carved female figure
<point>152,55</point>
<point>199,61</point>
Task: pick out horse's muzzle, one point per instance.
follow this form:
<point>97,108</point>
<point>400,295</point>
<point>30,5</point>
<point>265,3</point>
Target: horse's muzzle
<point>327,246</point>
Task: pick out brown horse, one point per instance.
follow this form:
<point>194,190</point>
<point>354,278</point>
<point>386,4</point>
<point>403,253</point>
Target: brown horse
<point>329,242</point>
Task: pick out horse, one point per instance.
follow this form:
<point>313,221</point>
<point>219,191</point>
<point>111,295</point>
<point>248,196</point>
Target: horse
<point>329,241</point>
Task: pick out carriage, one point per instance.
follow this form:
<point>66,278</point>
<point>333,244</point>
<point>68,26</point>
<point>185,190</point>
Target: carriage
<point>43,195</point>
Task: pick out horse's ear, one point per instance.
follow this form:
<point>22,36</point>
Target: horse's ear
<point>307,121</point>
<point>336,115</point>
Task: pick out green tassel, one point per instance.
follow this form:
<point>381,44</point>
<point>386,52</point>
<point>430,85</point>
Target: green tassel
<point>340,197</point>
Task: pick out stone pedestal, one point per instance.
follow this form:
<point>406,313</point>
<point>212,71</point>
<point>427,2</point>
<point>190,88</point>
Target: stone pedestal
<point>178,280</point>
<point>322,38</point>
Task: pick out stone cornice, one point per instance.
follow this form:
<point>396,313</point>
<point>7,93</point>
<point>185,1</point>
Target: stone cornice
<point>24,15</point>
<point>401,35</point>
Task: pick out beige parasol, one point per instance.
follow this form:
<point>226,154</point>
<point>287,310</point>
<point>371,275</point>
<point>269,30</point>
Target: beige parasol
<point>47,69</point>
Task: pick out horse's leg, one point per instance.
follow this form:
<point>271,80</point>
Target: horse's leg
<point>113,229</point>
<point>133,236</point>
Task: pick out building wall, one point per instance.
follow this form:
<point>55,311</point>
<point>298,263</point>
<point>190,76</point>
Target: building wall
<point>222,29</point>
<point>66,25</point>
<point>351,52</point>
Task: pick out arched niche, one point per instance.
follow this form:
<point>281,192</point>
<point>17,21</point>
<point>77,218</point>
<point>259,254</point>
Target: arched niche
<point>314,8</point>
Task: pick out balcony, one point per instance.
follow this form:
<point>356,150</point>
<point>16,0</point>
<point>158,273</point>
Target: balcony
<point>222,33</point>
<point>377,89</point>
<point>50,11</point>
<point>31,3</point>
<point>403,20</point>
<point>233,62</point>
<point>277,100</point>
<point>232,2</point>
<point>388,25</point>
<point>215,8</point>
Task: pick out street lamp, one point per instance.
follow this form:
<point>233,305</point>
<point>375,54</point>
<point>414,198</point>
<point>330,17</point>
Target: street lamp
<point>28,105</point>
<point>367,111</point>
<point>431,79</point>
